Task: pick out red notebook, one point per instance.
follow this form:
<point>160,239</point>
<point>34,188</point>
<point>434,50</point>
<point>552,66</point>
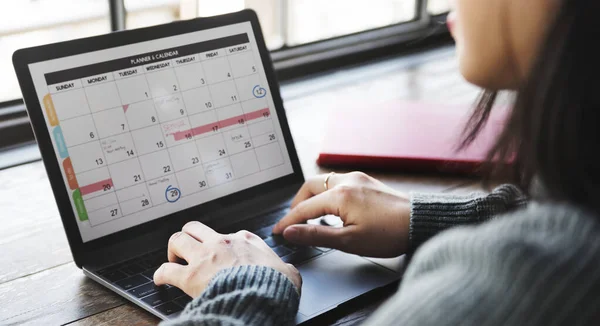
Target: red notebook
<point>405,136</point>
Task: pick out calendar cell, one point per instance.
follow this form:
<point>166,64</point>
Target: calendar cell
<point>170,107</point>
<point>255,105</point>
<point>190,76</point>
<point>231,117</point>
<point>97,79</point>
<point>103,96</point>
<point>164,190</point>
<point>65,86</point>
<point>148,140</point>
<point>118,148</point>
<point>186,60</point>
<point>218,172</point>
<point>260,128</point>
<point>238,140</point>
<point>133,89</point>
<point>134,199</point>
<point>162,82</point>
<point>95,183</point>
<point>211,148</point>
<point>242,64</point>
<point>156,164</point>
<point>269,156</point>
<point>177,131</point>
<point>212,54</point>
<point>244,164</point>
<point>111,122</point>
<point>99,202</point>
<point>104,215</point>
<point>224,93</point>
<point>70,104</point>
<point>205,124</point>
<point>141,114</point>
<point>192,180</point>
<point>87,156</point>
<point>184,156</point>
<point>249,87</point>
<point>126,174</point>
<point>217,70</point>
<point>239,48</point>
<point>262,133</point>
<point>264,139</point>
<point>79,130</point>
<point>197,100</point>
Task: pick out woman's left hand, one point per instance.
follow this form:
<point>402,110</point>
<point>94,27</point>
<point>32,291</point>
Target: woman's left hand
<point>207,252</point>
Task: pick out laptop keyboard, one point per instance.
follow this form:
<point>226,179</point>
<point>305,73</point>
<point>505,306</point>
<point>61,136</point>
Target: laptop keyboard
<point>135,276</point>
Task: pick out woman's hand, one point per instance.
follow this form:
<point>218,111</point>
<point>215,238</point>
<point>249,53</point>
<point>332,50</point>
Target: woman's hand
<point>207,252</point>
<point>376,218</point>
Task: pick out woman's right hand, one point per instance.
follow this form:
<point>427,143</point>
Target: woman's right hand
<point>376,217</point>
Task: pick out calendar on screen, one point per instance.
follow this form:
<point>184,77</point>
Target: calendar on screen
<point>151,128</point>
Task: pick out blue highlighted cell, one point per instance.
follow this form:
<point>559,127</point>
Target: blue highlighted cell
<point>60,142</point>
<point>172,194</point>
<point>259,92</point>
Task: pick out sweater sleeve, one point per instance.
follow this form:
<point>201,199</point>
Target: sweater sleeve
<point>537,266</point>
<point>433,213</point>
<point>243,295</point>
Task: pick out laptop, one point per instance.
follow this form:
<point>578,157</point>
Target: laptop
<point>144,130</point>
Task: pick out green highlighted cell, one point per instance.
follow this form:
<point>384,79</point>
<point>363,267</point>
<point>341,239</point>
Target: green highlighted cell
<point>80,206</point>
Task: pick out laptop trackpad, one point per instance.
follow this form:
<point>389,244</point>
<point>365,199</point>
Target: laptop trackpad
<point>336,278</point>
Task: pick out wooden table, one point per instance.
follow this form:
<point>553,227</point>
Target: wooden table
<point>39,283</point>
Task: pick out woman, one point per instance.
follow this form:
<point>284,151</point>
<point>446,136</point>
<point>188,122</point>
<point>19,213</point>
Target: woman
<point>535,263</point>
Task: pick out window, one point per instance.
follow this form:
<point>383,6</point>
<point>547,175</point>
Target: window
<point>288,23</point>
<point>301,34</point>
<point>27,23</point>
<point>437,7</point>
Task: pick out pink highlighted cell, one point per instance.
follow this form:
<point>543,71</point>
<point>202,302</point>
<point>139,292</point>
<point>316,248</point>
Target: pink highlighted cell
<point>232,121</point>
<point>241,119</point>
<point>104,185</point>
<point>258,114</point>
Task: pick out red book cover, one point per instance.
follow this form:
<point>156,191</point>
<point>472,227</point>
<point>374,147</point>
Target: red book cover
<point>405,136</point>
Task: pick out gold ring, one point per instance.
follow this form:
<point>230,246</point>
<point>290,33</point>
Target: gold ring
<point>326,183</point>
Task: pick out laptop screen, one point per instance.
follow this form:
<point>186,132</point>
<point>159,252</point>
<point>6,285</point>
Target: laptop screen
<point>148,129</point>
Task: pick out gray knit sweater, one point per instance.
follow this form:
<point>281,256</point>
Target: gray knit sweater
<point>536,265</point>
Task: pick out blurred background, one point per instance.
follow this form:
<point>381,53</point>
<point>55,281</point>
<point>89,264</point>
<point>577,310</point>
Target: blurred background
<point>307,38</point>
<point>286,24</point>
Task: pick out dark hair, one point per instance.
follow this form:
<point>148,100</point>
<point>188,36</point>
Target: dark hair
<point>553,130</point>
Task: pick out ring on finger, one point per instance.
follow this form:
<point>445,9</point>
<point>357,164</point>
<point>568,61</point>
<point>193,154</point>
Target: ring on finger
<point>326,182</point>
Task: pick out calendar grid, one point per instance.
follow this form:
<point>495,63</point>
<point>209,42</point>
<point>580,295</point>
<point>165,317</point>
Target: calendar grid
<point>158,118</point>
<point>155,151</point>
<point>127,113</point>
<point>190,122</point>
<point>228,155</point>
<point>239,98</point>
<point>120,212</point>
<point>182,170</point>
<point>144,180</point>
<point>249,122</point>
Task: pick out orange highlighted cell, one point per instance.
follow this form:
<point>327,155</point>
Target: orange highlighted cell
<point>71,178</point>
<point>50,112</point>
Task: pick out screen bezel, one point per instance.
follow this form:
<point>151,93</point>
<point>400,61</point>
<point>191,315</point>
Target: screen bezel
<point>22,58</point>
